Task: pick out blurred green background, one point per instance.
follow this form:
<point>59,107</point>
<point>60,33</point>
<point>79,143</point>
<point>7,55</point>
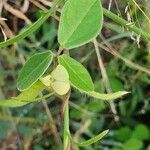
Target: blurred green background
<point>29,127</point>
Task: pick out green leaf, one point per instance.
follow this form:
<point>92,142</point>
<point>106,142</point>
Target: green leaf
<point>80,22</point>
<point>111,96</point>
<point>133,144</point>
<point>78,75</point>
<point>94,139</point>
<point>12,103</point>
<point>32,28</point>
<point>58,80</point>
<point>141,132</point>
<point>33,69</point>
<point>81,79</point>
<point>123,134</point>
<point>25,97</point>
<point>115,84</point>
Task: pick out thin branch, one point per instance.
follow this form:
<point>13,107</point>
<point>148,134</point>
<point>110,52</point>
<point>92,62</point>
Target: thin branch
<point>52,124</point>
<point>109,6</point>
<point>16,13</point>
<point>141,10</point>
<point>109,49</point>
<point>66,142</point>
<point>105,80</point>
<point>126,24</point>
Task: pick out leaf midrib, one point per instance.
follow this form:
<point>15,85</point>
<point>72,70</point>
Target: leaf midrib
<point>22,81</point>
<point>79,23</point>
<point>77,75</point>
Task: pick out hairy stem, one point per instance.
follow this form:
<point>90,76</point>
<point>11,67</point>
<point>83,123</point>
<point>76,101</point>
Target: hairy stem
<point>131,27</point>
<point>32,28</point>
<point>66,125</point>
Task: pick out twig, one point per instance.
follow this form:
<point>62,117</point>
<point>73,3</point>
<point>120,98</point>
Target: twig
<point>19,119</point>
<point>141,10</point>
<point>81,109</point>
<point>16,13</point>
<point>127,61</point>
<point>25,6</point>
<point>52,124</point>
<point>38,5</point>
<point>109,6</point>
<point>126,24</point>
<point>86,124</point>
<point>105,80</point>
<point>66,142</point>
<point>48,3</point>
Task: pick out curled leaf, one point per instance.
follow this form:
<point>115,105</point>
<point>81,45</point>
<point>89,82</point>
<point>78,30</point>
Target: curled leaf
<point>58,80</point>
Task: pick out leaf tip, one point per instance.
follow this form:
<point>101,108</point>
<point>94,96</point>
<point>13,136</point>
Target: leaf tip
<point>125,92</point>
<point>106,131</point>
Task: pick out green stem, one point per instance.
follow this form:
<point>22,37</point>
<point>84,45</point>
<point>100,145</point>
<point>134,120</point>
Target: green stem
<point>32,28</point>
<point>131,27</point>
<point>19,119</point>
<point>66,125</point>
<point>43,97</point>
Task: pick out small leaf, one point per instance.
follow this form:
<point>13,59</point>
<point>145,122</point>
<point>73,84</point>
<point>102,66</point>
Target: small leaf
<point>78,75</point>
<point>25,97</point>
<point>80,22</point>
<point>133,144</point>
<point>141,132</point>
<point>58,80</point>
<point>60,77</point>
<point>123,134</point>
<point>94,139</point>
<point>110,96</point>
<point>33,69</point>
